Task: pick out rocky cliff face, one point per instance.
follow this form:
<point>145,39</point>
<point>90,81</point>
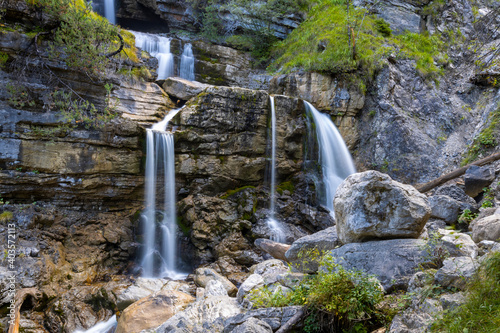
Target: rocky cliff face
<point>179,15</point>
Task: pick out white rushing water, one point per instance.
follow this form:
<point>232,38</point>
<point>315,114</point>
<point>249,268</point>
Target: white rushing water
<point>102,327</point>
<point>158,47</point>
<point>159,257</point>
<point>109,11</point>
<point>334,157</point>
<point>187,63</point>
<point>277,233</point>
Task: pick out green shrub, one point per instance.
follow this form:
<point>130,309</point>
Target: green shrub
<point>481,311</point>
<point>336,299</point>
<point>82,39</point>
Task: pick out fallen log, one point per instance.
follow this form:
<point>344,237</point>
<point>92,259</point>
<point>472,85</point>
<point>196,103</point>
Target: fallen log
<point>292,321</point>
<point>275,249</point>
<point>456,173</point>
<point>20,297</point>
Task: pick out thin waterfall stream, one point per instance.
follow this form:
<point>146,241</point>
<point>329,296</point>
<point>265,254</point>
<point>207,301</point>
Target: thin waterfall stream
<point>109,11</point>
<point>333,156</point>
<point>159,256</point>
<point>187,63</point>
<point>158,47</point>
<point>277,233</point>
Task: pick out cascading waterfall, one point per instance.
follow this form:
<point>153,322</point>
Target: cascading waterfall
<point>159,254</point>
<point>187,63</point>
<point>158,47</point>
<point>334,157</point>
<point>109,11</point>
<point>102,327</point>
<point>278,234</point>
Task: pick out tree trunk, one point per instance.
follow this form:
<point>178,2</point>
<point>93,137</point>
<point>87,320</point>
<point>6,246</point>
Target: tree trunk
<point>454,174</point>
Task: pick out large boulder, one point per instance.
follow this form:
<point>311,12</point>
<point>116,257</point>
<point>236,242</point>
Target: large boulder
<point>183,89</point>
<point>141,288</point>
<point>203,316</point>
<point>151,311</point>
<point>274,317</point>
<point>370,205</point>
<point>393,261</point>
<point>476,178</point>
<point>306,251</point>
<point>487,228</point>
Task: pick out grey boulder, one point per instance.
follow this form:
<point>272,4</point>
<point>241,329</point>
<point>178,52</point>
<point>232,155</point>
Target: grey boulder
<point>370,205</point>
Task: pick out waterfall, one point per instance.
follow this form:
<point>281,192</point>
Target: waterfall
<point>334,157</point>
<point>158,47</point>
<point>109,11</point>
<point>278,234</point>
<point>102,327</point>
<point>187,63</point>
<point>159,253</point>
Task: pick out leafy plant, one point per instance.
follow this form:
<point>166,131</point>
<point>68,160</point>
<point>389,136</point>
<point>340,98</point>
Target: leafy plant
<point>436,252</point>
<point>19,96</point>
<point>336,299</point>
<point>466,217</point>
<point>481,311</point>
<point>83,39</point>
<point>488,198</point>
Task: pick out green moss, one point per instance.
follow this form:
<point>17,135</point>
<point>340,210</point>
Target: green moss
<point>285,186</point>
<point>186,229</point>
<point>142,73</point>
<point>6,216</point>
<point>237,190</point>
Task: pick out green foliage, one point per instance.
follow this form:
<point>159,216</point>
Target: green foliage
<point>6,216</point>
<point>487,138</point>
<point>466,217</point>
<point>337,38</point>
<point>436,252</point>
<point>383,27</point>
<point>78,111</point>
<point>425,49</point>
<point>338,299</point>
<point>3,59</point>
<point>488,198</point>
<point>83,38</point>
<point>20,96</point>
<point>481,311</point>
